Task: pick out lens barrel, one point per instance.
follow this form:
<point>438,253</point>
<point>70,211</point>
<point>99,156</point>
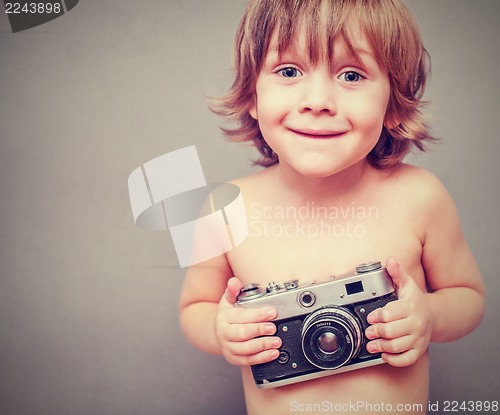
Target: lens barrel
<point>331,337</point>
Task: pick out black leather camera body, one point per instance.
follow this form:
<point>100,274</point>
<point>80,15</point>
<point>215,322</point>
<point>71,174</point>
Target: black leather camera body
<point>321,325</point>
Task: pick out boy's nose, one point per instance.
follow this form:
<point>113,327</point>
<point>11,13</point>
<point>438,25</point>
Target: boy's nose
<point>318,95</point>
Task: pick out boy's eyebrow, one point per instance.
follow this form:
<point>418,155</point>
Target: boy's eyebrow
<point>273,54</point>
<point>357,53</point>
<point>360,51</point>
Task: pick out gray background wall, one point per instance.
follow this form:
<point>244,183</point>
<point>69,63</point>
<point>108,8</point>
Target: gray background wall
<point>88,302</point>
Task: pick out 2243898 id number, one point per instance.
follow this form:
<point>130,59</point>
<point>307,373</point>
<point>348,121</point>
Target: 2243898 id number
<point>32,8</point>
<point>470,406</point>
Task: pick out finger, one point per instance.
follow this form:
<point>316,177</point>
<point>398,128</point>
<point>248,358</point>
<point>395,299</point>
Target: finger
<point>399,276</point>
<point>393,311</point>
<point>244,332</point>
<point>399,345</point>
<point>254,346</point>
<point>258,358</point>
<point>240,315</point>
<point>234,286</point>
<point>389,331</point>
<point>401,360</point>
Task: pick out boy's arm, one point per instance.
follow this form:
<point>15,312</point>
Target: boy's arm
<point>204,285</point>
<point>454,303</point>
<point>212,323</point>
<point>456,291</point>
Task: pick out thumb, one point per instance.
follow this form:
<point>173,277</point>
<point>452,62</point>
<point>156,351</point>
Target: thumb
<point>399,276</point>
<point>233,288</point>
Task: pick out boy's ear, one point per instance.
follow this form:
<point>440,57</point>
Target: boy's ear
<point>253,109</point>
<point>390,122</point>
<point>253,112</point>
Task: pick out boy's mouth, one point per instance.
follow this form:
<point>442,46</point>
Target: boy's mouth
<point>318,134</point>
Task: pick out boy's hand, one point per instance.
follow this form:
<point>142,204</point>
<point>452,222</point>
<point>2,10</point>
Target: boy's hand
<point>401,330</point>
<point>238,329</point>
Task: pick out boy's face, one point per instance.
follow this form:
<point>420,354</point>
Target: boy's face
<point>321,120</point>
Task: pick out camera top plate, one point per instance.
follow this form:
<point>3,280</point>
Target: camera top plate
<point>369,281</point>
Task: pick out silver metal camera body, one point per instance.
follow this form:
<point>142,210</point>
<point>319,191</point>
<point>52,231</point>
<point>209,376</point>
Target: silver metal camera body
<point>321,325</point>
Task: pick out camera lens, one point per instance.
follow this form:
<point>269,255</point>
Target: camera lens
<point>328,343</point>
<point>331,337</point>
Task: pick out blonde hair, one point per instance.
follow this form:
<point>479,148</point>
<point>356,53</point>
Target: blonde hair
<point>395,39</point>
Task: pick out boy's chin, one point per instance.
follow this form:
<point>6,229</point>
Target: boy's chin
<point>325,170</point>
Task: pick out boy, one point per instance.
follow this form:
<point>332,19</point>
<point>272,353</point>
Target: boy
<point>330,93</point>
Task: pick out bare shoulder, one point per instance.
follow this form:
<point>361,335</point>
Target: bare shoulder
<point>255,183</point>
<point>418,187</point>
<point>254,179</point>
<point>416,179</point>
<point>421,197</point>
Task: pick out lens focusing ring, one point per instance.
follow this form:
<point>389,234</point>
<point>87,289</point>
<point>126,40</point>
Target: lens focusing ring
<point>339,322</point>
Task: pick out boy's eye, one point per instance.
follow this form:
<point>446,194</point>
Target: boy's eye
<point>351,76</point>
<point>289,72</point>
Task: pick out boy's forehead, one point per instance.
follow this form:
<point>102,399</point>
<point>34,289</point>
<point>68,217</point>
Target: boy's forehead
<point>352,39</point>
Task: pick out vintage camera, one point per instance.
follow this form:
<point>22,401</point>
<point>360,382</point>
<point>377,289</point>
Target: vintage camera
<point>321,325</point>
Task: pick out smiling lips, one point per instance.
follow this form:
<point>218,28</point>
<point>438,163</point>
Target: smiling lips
<point>318,134</point>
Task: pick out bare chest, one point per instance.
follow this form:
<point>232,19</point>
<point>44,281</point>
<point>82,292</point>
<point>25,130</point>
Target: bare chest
<point>315,242</point>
